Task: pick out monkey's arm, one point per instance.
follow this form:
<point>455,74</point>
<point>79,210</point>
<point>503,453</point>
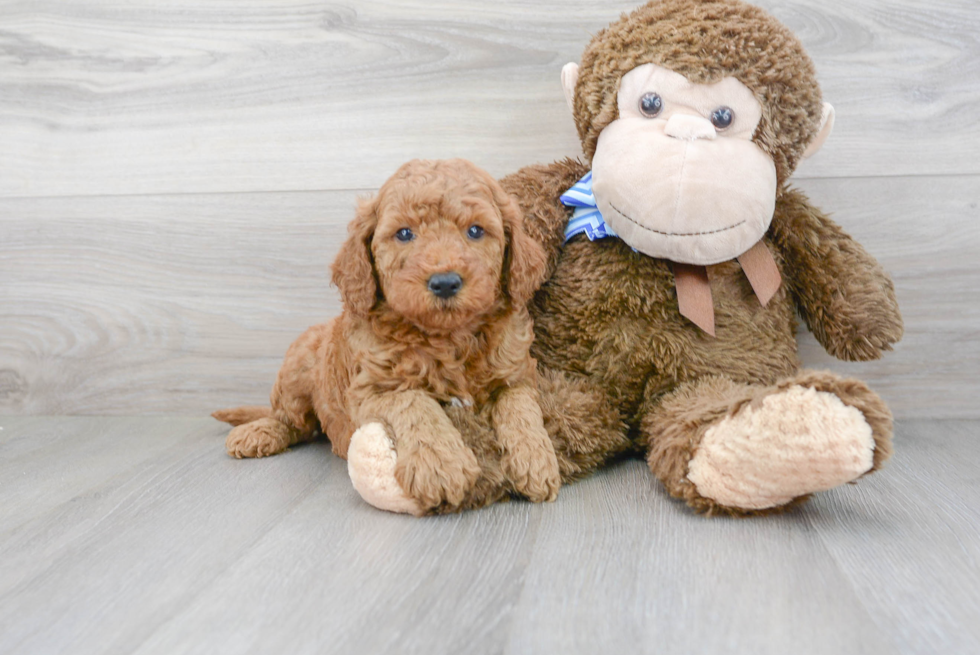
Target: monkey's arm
<point>537,189</point>
<point>845,297</point>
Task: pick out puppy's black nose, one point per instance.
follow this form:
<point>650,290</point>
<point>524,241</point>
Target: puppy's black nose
<point>445,285</point>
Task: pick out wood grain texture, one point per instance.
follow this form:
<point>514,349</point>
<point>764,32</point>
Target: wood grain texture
<point>184,304</point>
<point>118,97</point>
<point>916,529</point>
<point>129,304</point>
<point>124,553</point>
<point>648,577</point>
<point>176,548</point>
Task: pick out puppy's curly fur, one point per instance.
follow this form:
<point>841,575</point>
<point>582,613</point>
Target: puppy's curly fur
<point>400,352</point>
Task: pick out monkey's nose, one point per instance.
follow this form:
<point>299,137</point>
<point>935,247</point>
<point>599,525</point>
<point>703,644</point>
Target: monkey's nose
<point>445,285</point>
<point>689,128</point>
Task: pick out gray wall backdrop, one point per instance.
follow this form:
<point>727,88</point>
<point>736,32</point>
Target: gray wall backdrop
<point>175,177</point>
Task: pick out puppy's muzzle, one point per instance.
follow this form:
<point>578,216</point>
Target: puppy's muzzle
<point>445,285</point>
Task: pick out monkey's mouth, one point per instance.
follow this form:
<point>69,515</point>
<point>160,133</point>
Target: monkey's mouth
<point>675,234</point>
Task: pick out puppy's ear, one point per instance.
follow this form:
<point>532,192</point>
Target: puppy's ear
<point>353,269</point>
<point>524,261</point>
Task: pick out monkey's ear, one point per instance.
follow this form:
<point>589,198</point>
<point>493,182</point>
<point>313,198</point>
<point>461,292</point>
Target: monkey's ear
<point>353,270</point>
<point>826,126</point>
<point>569,77</point>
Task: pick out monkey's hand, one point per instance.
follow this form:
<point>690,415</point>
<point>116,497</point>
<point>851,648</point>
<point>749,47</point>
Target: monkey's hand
<point>537,189</point>
<point>844,296</point>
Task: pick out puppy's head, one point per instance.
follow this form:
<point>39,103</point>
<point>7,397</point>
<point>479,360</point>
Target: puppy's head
<point>442,243</point>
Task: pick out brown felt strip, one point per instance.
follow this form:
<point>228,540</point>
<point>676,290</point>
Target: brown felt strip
<point>761,269</point>
<point>694,295</point>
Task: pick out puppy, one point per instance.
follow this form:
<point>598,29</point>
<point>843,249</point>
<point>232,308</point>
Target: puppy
<point>434,276</point>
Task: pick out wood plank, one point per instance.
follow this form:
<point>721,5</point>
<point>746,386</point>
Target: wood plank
<point>622,568</point>
<point>82,454</point>
<point>113,97</point>
<point>337,577</point>
<point>908,539</point>
<point>159,305</point>
<point>98,572</point>
<point>183,304</point>
<point>191,551</point>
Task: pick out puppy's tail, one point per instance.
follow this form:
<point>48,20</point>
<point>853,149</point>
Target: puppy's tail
<point>240,415</point>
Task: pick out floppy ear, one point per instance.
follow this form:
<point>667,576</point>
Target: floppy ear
<point>524,260</point>
<point>353,269</point>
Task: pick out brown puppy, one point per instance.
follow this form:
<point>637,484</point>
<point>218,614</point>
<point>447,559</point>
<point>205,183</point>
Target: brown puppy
<point>435,276</point>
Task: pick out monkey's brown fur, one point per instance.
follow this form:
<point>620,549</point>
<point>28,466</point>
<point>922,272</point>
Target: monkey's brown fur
<point>399,354</point>
<point>607,319</point>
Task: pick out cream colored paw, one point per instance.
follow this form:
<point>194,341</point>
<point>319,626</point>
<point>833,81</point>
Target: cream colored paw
<point>371,464</point>
<point>796,442</point>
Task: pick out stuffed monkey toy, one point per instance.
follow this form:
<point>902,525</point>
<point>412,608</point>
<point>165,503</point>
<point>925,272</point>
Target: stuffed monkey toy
<point>679,259</point>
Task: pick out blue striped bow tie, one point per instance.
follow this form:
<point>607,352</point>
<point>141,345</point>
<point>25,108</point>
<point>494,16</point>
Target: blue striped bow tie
<point>586,218</point>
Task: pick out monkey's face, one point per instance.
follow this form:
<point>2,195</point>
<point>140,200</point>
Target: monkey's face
<point>678,175</point>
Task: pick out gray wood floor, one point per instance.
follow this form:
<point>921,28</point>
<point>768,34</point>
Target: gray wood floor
<point>175,178</point>
<point>136,535</point>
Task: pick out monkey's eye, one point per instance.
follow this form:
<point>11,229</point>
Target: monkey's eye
<point>404,235</point>
<point>722,117</point>
<point>651,104</point>
<point>475,232</point>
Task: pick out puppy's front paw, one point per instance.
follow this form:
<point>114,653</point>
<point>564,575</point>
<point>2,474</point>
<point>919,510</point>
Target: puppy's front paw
<point>260,438</point>
<point>438,473</point>
<point>533,469</point>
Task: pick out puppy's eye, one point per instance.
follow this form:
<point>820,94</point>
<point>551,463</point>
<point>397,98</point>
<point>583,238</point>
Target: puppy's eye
<point>404,235</point>
<point>722,117</point>
<point>475,232</point>
<point>651,104</point>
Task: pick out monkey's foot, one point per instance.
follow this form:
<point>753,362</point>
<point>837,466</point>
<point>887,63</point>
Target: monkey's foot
<point>793,443</point>
<point>371,463</point>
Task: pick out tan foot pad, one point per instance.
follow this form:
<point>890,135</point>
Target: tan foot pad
<point>371,465</point>
<point>797,442</point>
